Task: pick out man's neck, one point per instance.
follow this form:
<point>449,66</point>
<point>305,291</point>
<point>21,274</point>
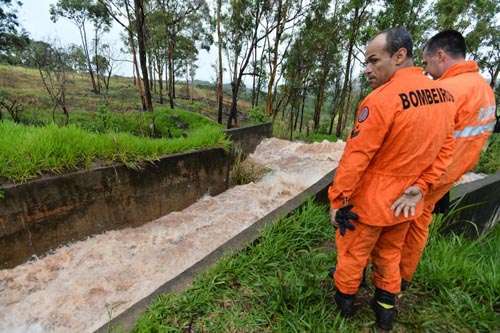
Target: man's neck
<point>407,63</point>
<point>453,61</point>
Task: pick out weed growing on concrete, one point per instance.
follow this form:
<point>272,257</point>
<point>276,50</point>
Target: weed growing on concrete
<point>244,171</point>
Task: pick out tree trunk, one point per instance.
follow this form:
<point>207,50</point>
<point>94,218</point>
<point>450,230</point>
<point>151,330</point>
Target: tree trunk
<point>259,82</point>
<point>220,93</point>
<point>137,76</point>
<point>320,96</point>
<point>139,13</point>
<point>159,70</point>
<point>254,74</point>
<point>170,77</point>
<point>173,76</point>
<point>97,71</point>
<point>235,85</point>
<point>302,111</point>
<point>83,35</point>
<point>494,75</point>
<point>272,76</point>
<point>152,77</point>
<point>347,77</point>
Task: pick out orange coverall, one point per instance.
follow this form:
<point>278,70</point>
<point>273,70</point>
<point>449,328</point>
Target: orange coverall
<point>403,135</point>
<point>474,123</point>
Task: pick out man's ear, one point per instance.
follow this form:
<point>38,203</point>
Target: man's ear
<point>441,55</point>
<point>401,56</point>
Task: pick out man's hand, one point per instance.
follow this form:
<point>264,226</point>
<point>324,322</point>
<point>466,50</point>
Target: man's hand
<point>341,218</point>
<point>333,212</point>
<point>407,202</point>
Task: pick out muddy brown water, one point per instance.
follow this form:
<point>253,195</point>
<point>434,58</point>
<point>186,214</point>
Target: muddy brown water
<point>81,286</point>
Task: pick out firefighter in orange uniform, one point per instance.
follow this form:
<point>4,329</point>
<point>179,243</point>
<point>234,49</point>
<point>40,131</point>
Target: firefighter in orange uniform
<point>444,57</point>
<point>402,136</point>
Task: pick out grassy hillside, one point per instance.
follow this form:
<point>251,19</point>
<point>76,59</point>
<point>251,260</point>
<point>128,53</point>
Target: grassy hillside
<point>25,84</point>
<point>100,130</point>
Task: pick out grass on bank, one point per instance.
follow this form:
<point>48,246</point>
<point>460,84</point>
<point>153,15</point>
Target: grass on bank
<point>279,284</point>
<point>163,122</point>
<point>490,158</point>
<point>28,151</point>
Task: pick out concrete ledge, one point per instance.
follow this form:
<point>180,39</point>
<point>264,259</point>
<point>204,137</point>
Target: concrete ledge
<point>44,214</point>
<point>248,138</point>
<point>476,206</point>
<point>126,320</point>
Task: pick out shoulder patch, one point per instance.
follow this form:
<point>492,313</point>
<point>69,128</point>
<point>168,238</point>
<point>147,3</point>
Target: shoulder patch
<point>363,114</point>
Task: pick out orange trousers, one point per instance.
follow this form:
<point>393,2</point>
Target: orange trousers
<point>384,244</point>
<point>418,232</point>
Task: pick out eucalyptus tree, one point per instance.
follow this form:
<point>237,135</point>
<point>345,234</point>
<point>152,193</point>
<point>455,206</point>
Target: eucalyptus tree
<point>13,40</point>
<point>414,15</point>
<point>357,15</point>
<point>140,28</point>
<point>220,75</point>
<point>285,15</point>
<point>124,13</point>
<point>242,31</point>
<point>83,13</point>
<point>479,22</point>
<point>183,18</point>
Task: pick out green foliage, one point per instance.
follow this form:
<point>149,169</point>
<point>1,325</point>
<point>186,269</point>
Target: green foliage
<point>279,284</point>
<point>478,21</point>
<point>27,152</point>
<point>490,158</point>
<point>258,115</point>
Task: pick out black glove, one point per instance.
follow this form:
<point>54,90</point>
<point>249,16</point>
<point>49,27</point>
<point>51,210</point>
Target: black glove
<point>343,217</point>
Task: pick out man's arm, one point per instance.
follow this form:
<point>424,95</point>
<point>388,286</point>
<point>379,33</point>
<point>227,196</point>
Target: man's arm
<point>433,173</point>
<point>366,138</point>
<point>408,201</point>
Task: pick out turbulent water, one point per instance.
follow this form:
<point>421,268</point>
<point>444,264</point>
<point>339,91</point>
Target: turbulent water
<point>81,286</point>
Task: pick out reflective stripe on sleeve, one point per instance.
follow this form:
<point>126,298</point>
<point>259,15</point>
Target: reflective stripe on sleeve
<point>474,130</point>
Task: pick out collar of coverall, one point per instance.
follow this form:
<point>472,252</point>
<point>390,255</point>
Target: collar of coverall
<point>465,66</point>
<point>406,71</point>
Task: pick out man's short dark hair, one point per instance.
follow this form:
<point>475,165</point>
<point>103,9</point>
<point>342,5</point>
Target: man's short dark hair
<point>397,38</point>
<point>450,41</point>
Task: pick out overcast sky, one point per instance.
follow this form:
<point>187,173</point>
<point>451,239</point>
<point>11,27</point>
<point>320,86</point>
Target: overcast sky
<point>34,17</point>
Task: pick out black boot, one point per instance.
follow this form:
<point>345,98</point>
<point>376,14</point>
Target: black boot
<point>404,285</point>
<point>345,303</point>
<point>383,304</point>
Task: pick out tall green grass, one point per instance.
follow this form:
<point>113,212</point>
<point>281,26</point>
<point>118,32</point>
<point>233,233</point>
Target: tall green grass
<point>162,123</point>
<point>280,284</point>
<point>490,158</point>
<point>28,151</point>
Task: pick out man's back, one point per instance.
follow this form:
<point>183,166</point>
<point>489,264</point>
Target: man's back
<point>401,127</point>
<point>475,116</point>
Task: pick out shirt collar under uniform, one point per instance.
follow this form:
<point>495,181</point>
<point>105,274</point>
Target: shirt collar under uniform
<point>466,66</point>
